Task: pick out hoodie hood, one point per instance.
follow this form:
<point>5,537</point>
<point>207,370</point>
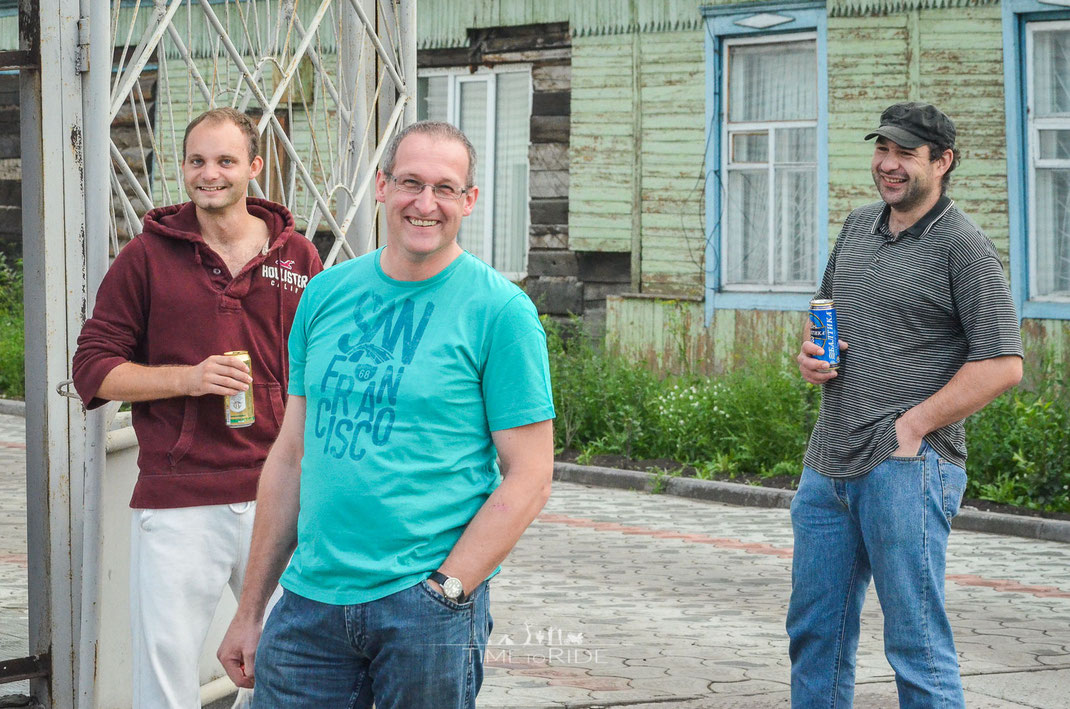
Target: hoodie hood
<point>179,221</point>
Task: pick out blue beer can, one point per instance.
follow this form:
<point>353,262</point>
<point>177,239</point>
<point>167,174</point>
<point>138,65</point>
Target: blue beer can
<point>824,332</point>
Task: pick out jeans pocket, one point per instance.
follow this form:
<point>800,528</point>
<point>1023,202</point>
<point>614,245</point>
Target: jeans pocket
<point>443,601</point>
<point>923,449</point>
<point>953,486</point>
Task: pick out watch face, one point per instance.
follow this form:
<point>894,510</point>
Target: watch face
<point>452,588</point>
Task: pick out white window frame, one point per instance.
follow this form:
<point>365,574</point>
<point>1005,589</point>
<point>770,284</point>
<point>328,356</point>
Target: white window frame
<point>728,129</point>
<point>1033,128</point>
<point>486,157</point>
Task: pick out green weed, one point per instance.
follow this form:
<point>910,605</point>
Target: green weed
<point>12,344</point>
<point>757,418</point>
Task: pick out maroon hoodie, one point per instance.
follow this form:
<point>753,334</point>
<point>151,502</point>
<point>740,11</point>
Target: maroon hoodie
<point>169,299</point>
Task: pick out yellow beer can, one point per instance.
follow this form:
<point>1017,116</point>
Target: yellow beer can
<point>238,408</point>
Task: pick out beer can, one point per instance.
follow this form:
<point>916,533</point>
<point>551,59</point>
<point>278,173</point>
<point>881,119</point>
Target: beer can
<point>238,408</point>
<point>824,332</point>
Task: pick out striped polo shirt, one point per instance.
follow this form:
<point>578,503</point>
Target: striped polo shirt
<point>913,308</point>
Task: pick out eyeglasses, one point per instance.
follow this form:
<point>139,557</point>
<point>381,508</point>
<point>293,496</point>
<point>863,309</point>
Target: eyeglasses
<point>444,191</point>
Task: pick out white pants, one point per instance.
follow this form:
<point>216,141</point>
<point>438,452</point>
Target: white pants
<point>180,561</point>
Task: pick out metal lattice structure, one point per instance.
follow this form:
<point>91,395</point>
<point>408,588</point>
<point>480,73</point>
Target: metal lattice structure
<point>106,90</point>
<point>323,78</point>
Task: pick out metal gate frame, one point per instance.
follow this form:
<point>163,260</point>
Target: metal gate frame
<point>65,93</point>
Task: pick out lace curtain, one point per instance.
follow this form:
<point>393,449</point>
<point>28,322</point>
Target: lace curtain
<point>771,190</point>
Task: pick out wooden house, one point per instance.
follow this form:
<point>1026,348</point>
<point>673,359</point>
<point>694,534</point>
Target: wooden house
<point>689,164</point>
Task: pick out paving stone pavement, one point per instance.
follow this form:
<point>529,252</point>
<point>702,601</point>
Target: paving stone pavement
<point>14,620</point>
<point>618,598</point>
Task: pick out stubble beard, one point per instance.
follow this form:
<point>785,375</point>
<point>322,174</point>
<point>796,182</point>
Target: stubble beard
<point>910,198</point>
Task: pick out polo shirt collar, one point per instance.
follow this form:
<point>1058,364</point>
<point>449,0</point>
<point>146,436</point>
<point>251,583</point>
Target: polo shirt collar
<point>920,228</point>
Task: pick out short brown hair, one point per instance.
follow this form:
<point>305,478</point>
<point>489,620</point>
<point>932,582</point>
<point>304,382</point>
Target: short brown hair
<point>221,115</point>
<point>435,129</point>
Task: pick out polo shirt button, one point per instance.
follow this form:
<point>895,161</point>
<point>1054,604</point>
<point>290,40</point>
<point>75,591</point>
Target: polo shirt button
<point>216,271</point>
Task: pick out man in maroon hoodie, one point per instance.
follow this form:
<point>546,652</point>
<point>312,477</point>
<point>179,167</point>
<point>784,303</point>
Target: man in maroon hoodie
<point>221,272</point>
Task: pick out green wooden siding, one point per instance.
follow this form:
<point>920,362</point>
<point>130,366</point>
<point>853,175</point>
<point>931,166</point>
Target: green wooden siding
<point>1047,348</point>
<point>949,56</point>
<point>962,72</point>
<point>602,210</point>
<point>952,58</point>
<point>640,92</point>
<point>663,332</point>
<point>672,97</point>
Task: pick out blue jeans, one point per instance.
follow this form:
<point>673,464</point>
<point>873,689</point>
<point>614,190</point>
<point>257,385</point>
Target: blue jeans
<point>409,650</point>
<point>890,524</point>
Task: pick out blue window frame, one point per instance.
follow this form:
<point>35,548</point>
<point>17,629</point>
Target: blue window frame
<point>766,155</point>
<point>1036,47</point>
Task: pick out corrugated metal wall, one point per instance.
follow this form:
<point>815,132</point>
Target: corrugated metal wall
<point>843,8</point>
<point>200,38</point>
<point>445,23</point>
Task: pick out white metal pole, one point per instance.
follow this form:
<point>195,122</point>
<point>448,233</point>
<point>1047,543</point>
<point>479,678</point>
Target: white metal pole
<point>96,142</point>
<point>406,92</point>
<point>356,67</point>
<point>407,34</point>
<point>53,234</point>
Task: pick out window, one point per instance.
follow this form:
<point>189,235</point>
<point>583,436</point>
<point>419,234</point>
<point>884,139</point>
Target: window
<point>1036,74</point>
<point>769,141</point>
<point>766,156</point>
<point>493,108</point>
<point>1048,109</point>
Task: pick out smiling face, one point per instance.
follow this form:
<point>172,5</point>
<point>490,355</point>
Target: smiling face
<point>421,228</point>
<point>907,178</point>
<point>217,169</point>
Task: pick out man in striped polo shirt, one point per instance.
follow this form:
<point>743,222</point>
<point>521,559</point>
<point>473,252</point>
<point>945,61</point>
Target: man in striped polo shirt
<point>933,337</point>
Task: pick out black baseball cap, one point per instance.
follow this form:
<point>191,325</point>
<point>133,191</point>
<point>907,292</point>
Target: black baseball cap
<point>912,125</point>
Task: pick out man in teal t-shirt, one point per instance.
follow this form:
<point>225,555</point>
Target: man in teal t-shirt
<point>414,370</point>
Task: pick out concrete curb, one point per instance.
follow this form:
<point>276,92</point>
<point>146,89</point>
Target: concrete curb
<point>13,407</point>
<point>753,496</point>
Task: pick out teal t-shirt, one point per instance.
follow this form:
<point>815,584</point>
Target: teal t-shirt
<point>404,382</point>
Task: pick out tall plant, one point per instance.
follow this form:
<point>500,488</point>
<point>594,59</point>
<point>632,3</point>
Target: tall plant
<point>12,341</point>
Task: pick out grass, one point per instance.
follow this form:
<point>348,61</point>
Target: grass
<point>757,421</point>
<point>12,344</point>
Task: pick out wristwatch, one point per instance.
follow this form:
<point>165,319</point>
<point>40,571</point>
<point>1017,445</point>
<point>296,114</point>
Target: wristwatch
<point>451,587</point>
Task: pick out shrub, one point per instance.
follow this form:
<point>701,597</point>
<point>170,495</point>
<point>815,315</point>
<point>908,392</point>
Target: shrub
<point>753,419</point>
<point>598,398</point>
<point>1019,448</point>
<point>12,347</point>
<point>758,418</point>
